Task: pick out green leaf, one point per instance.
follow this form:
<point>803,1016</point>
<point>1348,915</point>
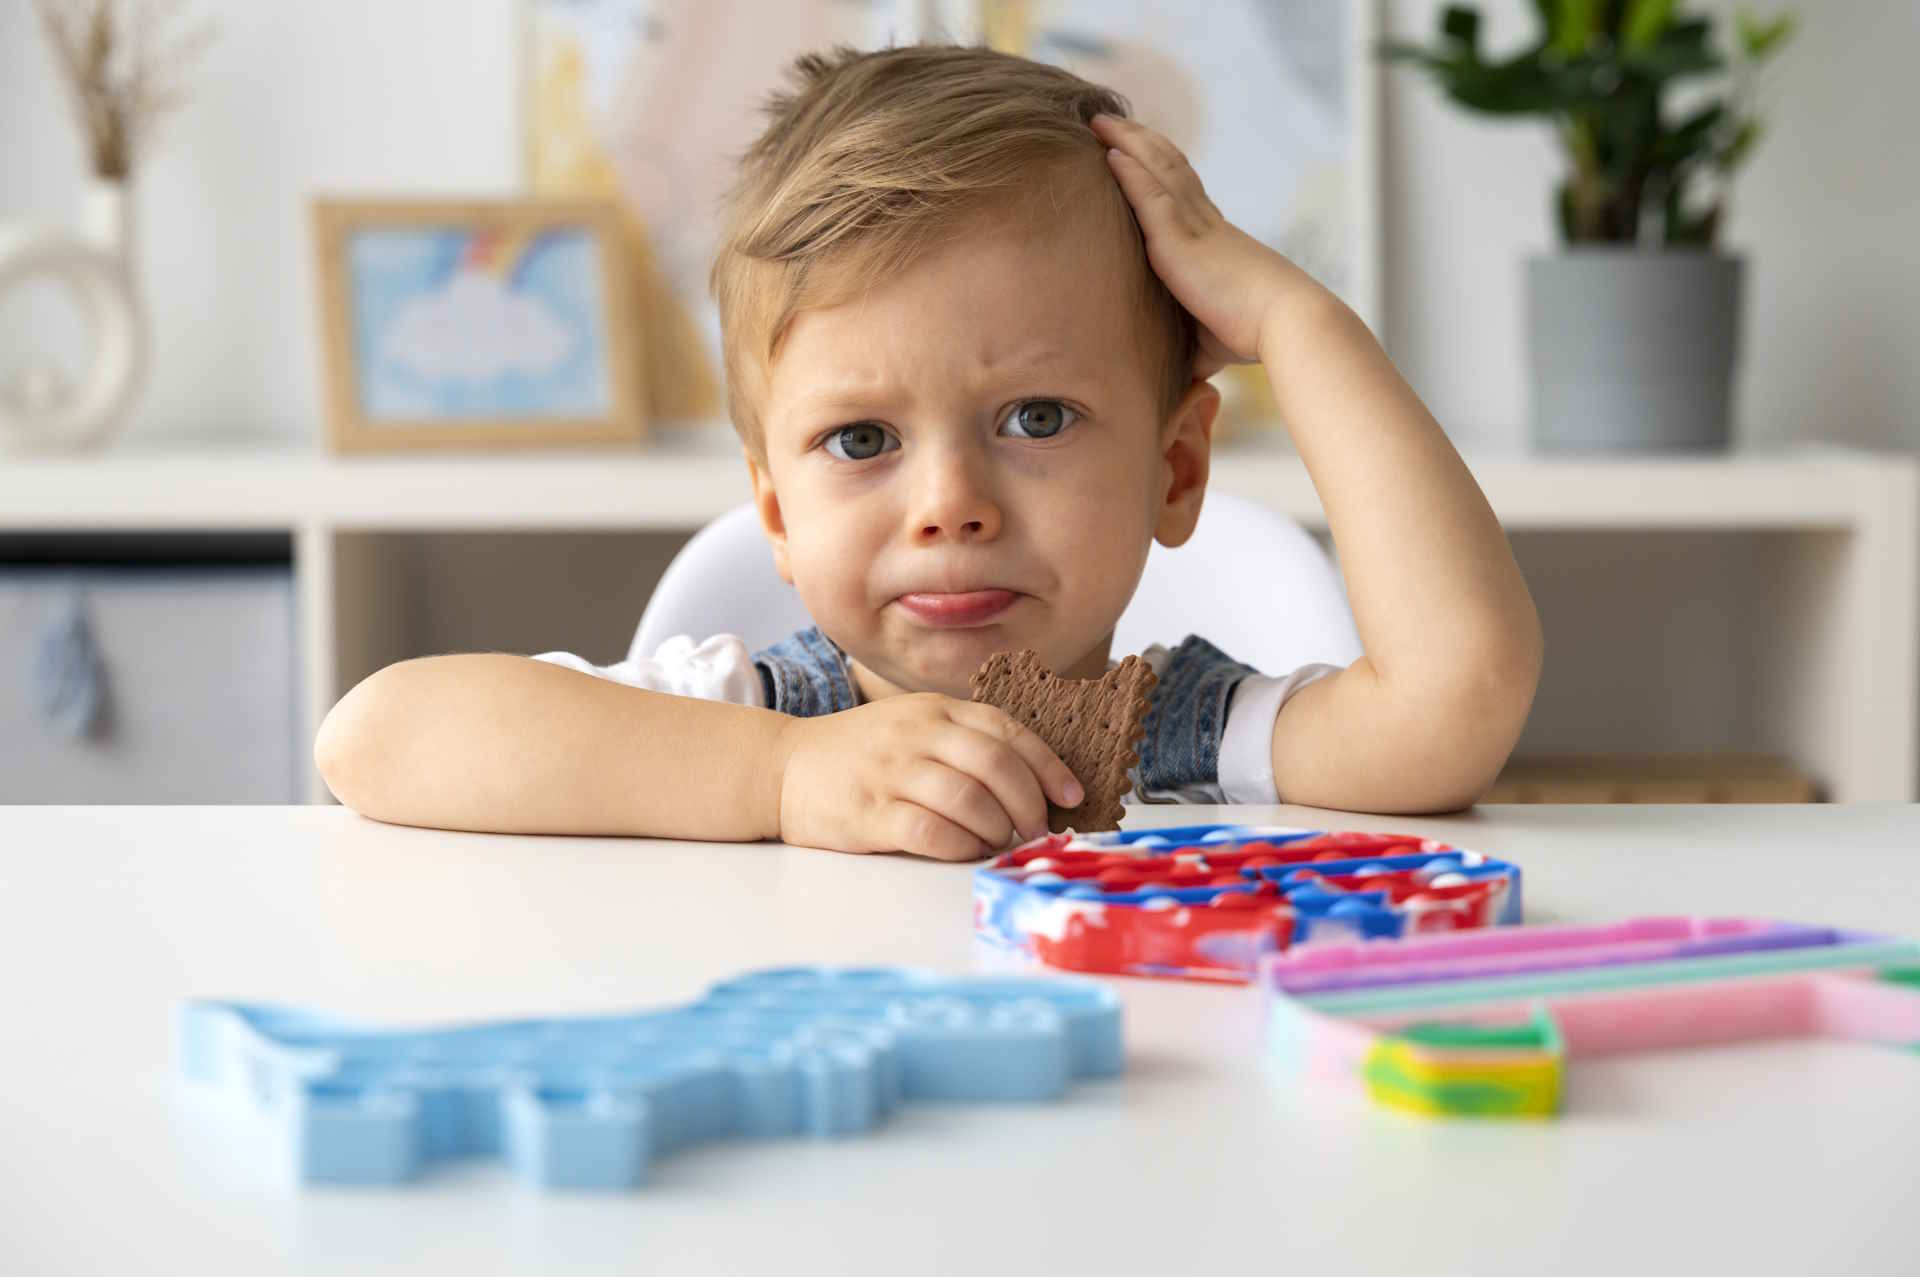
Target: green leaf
<point>1645,21</point>
<point>1701,122</point>
<point>1682,49</point>
<point>1744,139</point>
<point>1688,139</point>
<point>1689,231</point>
<point>1549,11</point>
<point>1462,25</point>
<point>1760,39</point>
<point>1694,232</point>
<point>1518,86</point>
<point>1573,25</point>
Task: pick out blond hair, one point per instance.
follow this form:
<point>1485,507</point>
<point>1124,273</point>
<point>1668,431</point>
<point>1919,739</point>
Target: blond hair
<point>873,157</point>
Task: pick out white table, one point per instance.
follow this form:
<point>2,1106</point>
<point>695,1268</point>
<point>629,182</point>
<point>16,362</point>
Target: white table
<point>1786,1157</point>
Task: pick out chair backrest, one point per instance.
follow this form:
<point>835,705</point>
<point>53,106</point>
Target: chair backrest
<point>1250,580</point>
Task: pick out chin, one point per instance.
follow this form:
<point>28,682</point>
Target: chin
<point>953,675</point>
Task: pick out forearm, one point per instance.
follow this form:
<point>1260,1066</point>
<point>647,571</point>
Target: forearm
<point>495,742</point>
<point>1437,598</point>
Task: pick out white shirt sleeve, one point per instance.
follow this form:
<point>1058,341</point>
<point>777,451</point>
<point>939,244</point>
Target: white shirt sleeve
<point>1246,745</point>
<point>719,668</point>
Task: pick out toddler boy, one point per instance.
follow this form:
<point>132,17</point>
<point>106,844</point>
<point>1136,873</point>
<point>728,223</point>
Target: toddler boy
<point>968,314</point>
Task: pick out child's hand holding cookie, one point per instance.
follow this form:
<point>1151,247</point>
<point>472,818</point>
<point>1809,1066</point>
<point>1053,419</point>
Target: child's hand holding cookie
<point>1228,280</point>
<point>923,773</point>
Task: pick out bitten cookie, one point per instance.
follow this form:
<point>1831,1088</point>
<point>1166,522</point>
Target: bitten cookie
<point>1091,723</point>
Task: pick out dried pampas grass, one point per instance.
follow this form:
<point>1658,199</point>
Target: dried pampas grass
<point>118,69</point>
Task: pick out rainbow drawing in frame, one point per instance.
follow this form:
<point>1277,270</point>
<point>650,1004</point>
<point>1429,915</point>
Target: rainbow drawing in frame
<point>1206,902</point>
<point>1483,1024</point>
<point>476,323</point>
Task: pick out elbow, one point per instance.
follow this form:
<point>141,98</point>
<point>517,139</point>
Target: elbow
<point>1487,713</point>
<point>1505,680</point>
<point>346,746</point>
<point>1456,733</point>
<point>333,753</point>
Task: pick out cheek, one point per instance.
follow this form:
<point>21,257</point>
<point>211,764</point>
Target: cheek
<point>1097,535</point>
<point>1113,495</point>
<point>828,551</point>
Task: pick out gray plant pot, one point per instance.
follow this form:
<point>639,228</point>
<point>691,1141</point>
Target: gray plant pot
<point>1632,349</point>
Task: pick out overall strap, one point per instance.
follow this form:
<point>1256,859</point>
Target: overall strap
<point>805,674</point>
<point>1187,715</point>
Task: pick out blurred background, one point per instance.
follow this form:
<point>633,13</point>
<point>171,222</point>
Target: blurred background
<point>336,334</point>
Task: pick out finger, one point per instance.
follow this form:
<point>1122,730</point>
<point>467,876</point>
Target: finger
<point>1158,180</point>
<point>1151,148</point>
<point>1015,741</point>
<point>950,789</point>
<point>1186,212</point>
<point>915,829</point>
<point>1044,767</point>
<point>1016,806</point>
<point>1120,130</point>
<point>1151,200</point>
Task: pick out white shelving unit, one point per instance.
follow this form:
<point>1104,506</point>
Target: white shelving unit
<point>1809,562</point>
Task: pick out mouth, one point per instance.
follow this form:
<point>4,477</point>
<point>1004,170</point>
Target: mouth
<point>975,607</point>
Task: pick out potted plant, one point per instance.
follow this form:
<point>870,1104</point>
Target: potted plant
<point>1633,329</point>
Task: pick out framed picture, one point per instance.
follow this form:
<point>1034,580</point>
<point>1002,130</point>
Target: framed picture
<point>648,101</point>
<point>476,324</point>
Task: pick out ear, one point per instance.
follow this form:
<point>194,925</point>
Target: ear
<point>767,502</point>
<point>1186,446</point>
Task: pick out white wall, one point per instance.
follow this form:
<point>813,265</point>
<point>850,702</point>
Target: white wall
<point>420,97</point>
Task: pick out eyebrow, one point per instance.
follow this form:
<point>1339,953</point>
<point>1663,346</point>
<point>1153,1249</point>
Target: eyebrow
<point>849,396</point>
<point>857,394</point>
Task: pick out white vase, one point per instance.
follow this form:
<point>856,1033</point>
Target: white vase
<point>106,218</point>
<point>39,409</point>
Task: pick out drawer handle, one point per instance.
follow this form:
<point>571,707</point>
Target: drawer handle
<point>67,674</point>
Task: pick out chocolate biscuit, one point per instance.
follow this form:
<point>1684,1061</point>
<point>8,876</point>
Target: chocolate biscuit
<point>1093,724</point>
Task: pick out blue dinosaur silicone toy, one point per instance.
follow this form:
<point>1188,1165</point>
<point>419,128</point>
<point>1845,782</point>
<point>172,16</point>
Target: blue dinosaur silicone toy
<point>591,1102</point>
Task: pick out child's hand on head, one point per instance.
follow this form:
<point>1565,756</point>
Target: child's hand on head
<point>924,773</point>
<point>1227,279</point>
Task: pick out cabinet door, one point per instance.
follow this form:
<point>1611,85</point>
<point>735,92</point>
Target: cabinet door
<point>147,685</point>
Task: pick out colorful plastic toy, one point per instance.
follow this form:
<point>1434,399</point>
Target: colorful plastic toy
<point>591,1102</point>
<point>1205,902</point>
<point>1482,1024</point>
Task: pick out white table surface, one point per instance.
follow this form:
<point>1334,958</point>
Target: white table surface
<point>1773,1157</point>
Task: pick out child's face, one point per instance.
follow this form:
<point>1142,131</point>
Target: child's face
<point>984,420</point>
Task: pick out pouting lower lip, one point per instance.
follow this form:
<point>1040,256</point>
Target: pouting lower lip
<point>958,609</point>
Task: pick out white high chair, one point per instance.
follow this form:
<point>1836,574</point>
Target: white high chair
<point>1250,581</point>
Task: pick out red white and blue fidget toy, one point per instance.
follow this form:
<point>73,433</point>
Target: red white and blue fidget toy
<point>1204,902</point>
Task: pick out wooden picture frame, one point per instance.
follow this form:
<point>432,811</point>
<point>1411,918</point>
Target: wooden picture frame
<point>476,324</point>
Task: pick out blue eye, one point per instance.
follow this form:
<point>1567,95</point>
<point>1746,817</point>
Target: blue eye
<point>868,441</point>
<point>865,440</point>
<point>1042,418</point>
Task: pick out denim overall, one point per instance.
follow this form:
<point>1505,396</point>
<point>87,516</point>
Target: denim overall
<point>806,675</point>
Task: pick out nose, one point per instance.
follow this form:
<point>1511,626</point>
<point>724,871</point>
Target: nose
<point>955,500</point>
